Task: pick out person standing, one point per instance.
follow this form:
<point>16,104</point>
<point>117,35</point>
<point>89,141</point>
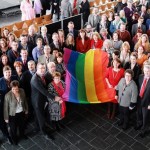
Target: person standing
<point>27,10</point>
<point>66,9</point>
<point>55,8</point>
<point>39,97</point>
<point>4,88</point>
<point>38,7</point>
<point>15,108</point>
<point>127,93</point>
<point>143,100</point>
<point>85,9</point>
<point>57,109</point>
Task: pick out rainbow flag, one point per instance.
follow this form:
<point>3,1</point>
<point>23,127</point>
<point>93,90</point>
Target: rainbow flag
<point>85,77</point>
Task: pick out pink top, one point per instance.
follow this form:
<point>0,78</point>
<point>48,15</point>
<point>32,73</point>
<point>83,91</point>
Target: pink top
<point>28,12</point>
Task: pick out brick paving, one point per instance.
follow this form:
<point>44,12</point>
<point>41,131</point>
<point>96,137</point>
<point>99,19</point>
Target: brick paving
<point>86,128</point>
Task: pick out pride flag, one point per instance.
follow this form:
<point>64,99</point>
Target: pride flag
<point>85,77</point>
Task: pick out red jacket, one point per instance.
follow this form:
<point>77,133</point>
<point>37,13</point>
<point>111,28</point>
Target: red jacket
<point>98,44</point>
<point>83,48</point>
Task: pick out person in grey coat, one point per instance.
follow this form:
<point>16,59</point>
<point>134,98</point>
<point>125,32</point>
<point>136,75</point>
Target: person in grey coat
<point>127,93</point>
<point>66,9</point>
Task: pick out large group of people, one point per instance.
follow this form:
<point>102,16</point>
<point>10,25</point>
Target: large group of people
<point>32,72</point>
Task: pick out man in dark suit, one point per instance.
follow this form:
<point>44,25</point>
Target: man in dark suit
<point>23,43</point>
<point>24,59</point>
<point>137,26</point>
<point>85,9</point>
<point>143,100</point>
<point>25,82</point>
<point>13,53</point>
<point>39,96</point>
<point>46,38</point>
<point>55,43</point>
<point>31,39</point>
<point>4,88</point>
<point>71,30</point>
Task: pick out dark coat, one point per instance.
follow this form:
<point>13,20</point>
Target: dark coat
<point>145,101</point>
<point>75,33</point>
<point>85,9</point>
<point>48,36</point>
<point>136,70</point>
<point>24,66</point>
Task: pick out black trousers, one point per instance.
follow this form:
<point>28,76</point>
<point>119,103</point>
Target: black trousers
<point>124,115</point>
<point>142,117</point>
<point>16,122</point>
<point>56,9</point>
<point>3,126</point>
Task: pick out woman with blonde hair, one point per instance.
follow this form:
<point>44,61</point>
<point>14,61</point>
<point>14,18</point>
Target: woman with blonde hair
<point>96,41</point>
<point>61,36</point>
<point>125,53</point>
<point>144,41</point>
<point>70,42</point>
<point>27,10</point>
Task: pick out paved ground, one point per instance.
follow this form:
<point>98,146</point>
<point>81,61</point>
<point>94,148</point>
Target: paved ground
<point>87,128</point>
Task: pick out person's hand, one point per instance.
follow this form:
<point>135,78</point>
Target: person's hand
<point>55,4</point>
<point>26,112</point>
<point>149,107</point>
<point>57,98</point>
<point>110,86</point>
<point>6,121</point>
<point>116,97</point>
<point>60,102</point>
<point>80,6</point>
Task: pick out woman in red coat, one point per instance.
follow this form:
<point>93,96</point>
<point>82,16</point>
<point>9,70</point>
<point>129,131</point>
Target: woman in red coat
<point>83,43</point>
<point>96,41</point>
<point>113,76</point>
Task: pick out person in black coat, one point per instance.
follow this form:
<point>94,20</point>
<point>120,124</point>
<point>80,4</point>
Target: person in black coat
<point>45,6</point>
<point>4,88</point>
<point>71,30</point>
<point>23,43</point>
<point>31,39</point>
<point>143,100</point>
<point>39,97</point>
<point>134,66</point>
<point>55,8</point>
<point>13,53</point>
<point>46,38</point>
<point>24,59</point>
<point>25,81</point>
<point>85,9</point>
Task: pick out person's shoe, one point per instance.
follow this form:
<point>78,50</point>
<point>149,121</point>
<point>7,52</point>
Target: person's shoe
<point>35,130</point>
<point>58,128</point>
<point>142,134</point>
<point>137,128</point>
<point>49,137</point>
<point>119,123</point>
<point>10,141</point>
<point>24,137</point>
<point>125,127</point>
<point>62,125</point>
